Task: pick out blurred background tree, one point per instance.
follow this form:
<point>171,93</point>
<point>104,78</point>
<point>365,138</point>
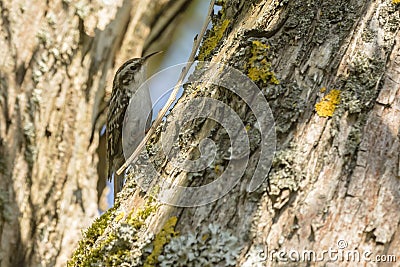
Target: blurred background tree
<point>329,71</point>
<point>58,59</point>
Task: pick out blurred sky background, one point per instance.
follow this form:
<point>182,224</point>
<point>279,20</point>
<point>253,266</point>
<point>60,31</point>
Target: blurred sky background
<point>178,52</point>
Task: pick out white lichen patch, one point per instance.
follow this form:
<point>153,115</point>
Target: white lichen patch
<point>210,247</point>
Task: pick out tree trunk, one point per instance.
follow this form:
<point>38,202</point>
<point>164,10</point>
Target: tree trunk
<point>330,73</point>
<point>58,59</point>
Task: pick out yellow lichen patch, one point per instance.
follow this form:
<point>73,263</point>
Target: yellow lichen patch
<point>120,216</point>
<point>213,39</point>
<point>138,219</point>
<point>161,239</point>
<point>396,2</point>
<point>322,90</point>
<point>218,169</point>
<point>327,105</point>
<point>258,47</point>
<point>260,70</point>
<point>205,237</point>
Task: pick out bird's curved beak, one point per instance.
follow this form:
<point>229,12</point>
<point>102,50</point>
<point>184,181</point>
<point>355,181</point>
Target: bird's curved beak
<point>145,58</point>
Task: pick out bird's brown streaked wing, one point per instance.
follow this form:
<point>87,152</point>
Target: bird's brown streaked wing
<point>115,117</point>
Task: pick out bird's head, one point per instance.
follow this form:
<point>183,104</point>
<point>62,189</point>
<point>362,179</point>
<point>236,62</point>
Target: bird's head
<point>132,73</point>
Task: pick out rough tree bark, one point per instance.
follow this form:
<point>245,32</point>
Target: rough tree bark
<point>330,72</point>
<point>57,60</point>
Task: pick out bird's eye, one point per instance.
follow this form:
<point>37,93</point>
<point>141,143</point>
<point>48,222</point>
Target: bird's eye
<point>133,68</point>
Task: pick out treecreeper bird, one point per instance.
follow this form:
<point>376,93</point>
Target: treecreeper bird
<point>127,81</point>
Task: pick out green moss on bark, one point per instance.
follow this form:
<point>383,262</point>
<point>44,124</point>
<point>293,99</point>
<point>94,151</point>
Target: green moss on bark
<point>115,238</point>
